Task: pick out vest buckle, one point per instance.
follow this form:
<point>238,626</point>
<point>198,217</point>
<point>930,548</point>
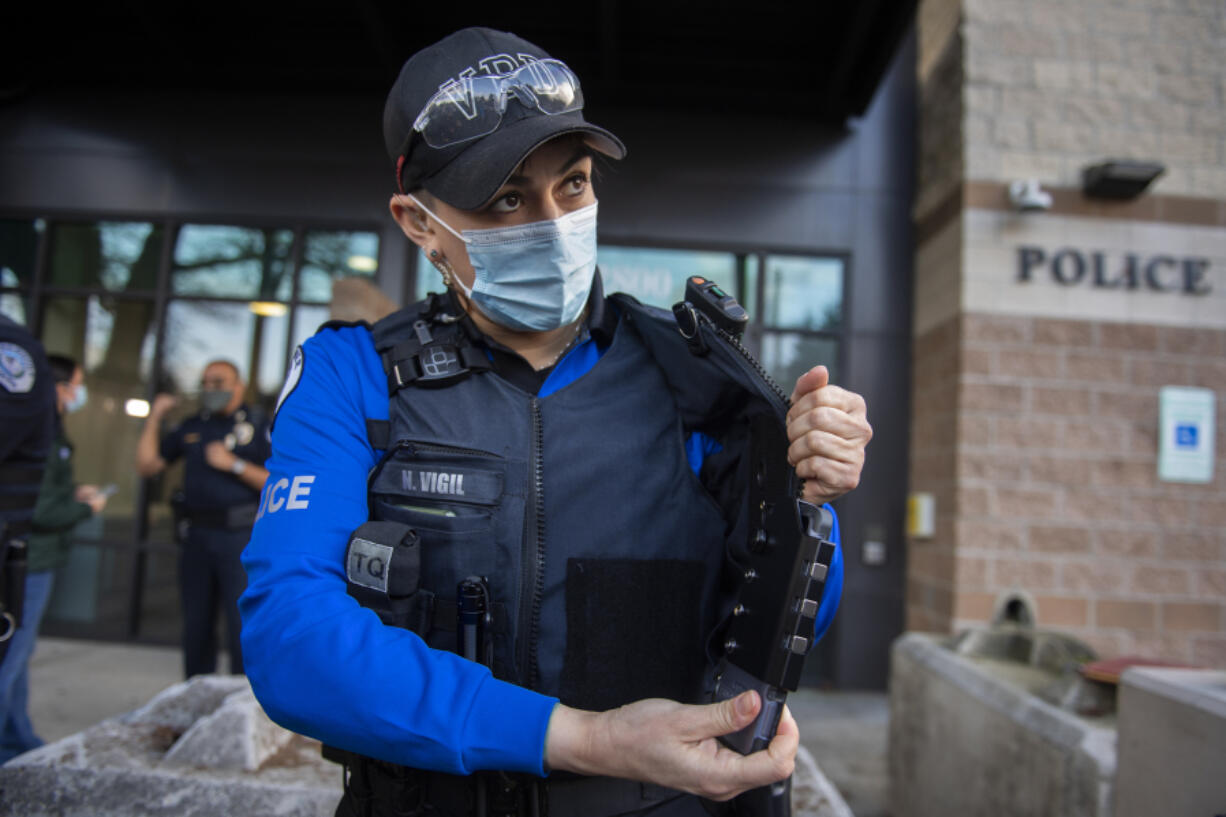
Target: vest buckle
<point>439,364</point>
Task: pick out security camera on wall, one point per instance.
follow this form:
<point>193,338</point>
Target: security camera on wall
<point>1027,196</point>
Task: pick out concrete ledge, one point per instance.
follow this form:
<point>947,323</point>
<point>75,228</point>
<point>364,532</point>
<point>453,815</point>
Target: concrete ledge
<point>965,740</point>
<point>1172,729</point>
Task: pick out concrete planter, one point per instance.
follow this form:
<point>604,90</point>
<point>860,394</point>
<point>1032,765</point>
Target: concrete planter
<point>967,738</point>
<point>1172,729</point>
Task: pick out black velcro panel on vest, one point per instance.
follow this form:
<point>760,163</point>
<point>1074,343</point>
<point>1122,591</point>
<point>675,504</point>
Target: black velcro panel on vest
<point>378,433</point>
<point>630,623</point>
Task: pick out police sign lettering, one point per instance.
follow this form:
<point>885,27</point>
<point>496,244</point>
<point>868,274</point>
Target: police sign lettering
<point>1127,271</point>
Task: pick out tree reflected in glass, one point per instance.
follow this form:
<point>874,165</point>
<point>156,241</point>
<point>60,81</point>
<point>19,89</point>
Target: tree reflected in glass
<point>804,293</point>
<point>220,261</point>
<point>788,355</point>
<point>329,256</point>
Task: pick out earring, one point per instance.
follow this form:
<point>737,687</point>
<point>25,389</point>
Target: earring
<point>434,253</point>
<point>443,268</point>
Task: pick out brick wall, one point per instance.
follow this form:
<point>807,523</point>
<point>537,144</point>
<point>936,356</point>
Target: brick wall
<point>939,56</point>
<point>934,443</point>
<point>1039,439</point>
<point>1035,409</point>
<point>1054,85</point>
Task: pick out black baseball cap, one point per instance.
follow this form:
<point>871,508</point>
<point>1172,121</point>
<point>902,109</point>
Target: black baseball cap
<point>468,174</point>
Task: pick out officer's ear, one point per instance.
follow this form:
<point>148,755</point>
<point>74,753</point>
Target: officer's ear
<point>412,220</point>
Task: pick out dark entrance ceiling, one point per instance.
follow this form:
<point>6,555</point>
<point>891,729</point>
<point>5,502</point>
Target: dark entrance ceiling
<point>816,60</point>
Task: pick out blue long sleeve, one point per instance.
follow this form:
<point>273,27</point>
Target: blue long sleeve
<point>319,663</point>
<point>832,593</point>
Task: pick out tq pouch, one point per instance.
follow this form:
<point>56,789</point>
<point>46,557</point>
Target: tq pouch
<point>383,571</point>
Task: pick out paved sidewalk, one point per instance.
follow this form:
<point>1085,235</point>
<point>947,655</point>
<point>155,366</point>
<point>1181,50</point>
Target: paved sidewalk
<point>848,735</point>
<point>75,684</point>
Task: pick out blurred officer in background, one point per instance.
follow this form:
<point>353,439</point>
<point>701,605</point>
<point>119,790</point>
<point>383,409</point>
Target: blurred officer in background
<point>27,405</point>
<point>62,504</point>
<point>224,446</point>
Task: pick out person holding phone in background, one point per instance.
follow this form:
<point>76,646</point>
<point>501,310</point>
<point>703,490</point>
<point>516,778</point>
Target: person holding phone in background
<point>61,506</point>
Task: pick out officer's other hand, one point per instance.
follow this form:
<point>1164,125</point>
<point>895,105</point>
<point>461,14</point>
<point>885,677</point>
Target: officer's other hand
<point>827,430</point>
<point>218,456</point>
<point>162,404</point>
<point>671,744</point>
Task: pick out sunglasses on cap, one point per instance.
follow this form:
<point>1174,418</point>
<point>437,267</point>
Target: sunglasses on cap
<point>474,106</point>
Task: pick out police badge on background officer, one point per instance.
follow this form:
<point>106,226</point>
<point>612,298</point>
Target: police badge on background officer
<point>16,369</point>
<point>243,432</point>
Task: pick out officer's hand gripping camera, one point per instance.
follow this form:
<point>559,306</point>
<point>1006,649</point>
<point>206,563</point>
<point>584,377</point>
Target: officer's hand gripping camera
<point>785,561</point>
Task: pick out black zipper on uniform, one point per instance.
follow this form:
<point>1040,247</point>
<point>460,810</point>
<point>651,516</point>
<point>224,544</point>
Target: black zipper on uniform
<point>448,449</point>
<point>751,366</point>
<point>533,557</point>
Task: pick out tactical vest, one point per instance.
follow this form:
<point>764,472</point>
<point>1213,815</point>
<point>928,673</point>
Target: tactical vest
<point>608,561</point>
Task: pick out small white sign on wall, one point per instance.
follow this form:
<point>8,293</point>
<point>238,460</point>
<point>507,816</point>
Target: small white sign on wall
<point>1185,428</point>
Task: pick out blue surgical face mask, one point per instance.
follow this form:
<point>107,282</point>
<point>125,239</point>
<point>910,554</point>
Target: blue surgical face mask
<point>215,400</point>
<point>533,277</point>
<point>78,400</point>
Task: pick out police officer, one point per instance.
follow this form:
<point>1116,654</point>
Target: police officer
<point>524,428</point>
<point>27,413</point>
<point>224,447</point>
<point>62,504</point>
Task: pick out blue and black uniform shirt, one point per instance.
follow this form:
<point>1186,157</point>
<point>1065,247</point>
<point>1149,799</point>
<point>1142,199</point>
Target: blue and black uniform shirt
<point>318,662</point>
<point>205,488</point>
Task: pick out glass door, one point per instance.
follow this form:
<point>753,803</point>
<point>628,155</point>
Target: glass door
<point>144,313</point>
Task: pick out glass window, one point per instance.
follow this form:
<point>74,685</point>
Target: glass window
<point>113,341</point>
<point>18,251</point>
<point>14,306</point>
<point>788,355</point>
<point>231,289</point>
<point>90,595</point>
<point>307,320</point>
<point>329,256</point>
<point>803,293</point>
<point>749,292</point>
<point>115,255</point>
<point>231,262</point>
<point>657,276</point>
<point>198,332</point>
<point>160,611</point>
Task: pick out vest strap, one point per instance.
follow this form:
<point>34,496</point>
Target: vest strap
<point>439,364</point>
<point>379,434</point>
